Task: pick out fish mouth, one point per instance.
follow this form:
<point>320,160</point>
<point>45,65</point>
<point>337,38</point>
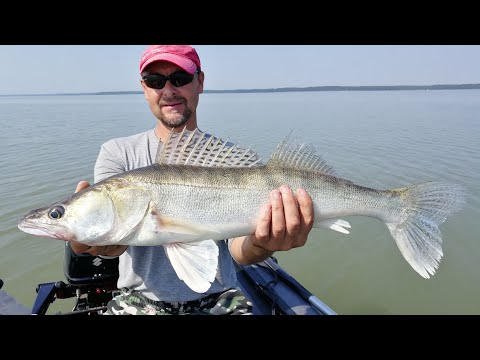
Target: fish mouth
<point>38,231</point>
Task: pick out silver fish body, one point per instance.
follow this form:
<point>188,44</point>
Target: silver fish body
<point>187,207</point>
<point>226,201</point>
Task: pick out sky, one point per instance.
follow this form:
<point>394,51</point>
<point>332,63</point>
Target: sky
<point>51,69</point>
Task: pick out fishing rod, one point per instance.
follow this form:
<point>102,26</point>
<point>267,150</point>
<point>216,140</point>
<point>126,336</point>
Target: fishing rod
<point>303,292</point>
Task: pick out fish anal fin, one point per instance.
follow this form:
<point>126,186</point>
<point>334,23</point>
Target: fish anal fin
<point>334,224</point>
<point>195,263</point>
<point>182,226</point>
<point>156,227</point>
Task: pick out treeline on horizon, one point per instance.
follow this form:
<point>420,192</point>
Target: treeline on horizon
<point>300,89</point>
<point>355,88</point>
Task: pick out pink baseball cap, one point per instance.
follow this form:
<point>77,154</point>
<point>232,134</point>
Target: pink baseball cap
<point>183,56</point>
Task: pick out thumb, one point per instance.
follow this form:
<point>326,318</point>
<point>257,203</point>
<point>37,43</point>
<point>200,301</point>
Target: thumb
<point>82,185</point>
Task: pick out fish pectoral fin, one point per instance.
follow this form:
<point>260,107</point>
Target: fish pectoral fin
<point>181,226</point>
<point>195,263</point>
<point>335,224</point>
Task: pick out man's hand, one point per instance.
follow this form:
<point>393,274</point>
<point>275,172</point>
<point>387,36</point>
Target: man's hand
<point>111,250</point>
<point>284,224</point>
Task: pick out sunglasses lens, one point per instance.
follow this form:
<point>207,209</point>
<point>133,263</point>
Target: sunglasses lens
<point>180,79</point>
<point>157,81</point>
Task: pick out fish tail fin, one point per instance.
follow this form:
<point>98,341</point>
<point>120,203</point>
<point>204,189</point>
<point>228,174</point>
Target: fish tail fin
<point>417,232</point>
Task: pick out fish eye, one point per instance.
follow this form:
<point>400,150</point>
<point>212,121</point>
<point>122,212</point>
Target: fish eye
<point>56,212</point>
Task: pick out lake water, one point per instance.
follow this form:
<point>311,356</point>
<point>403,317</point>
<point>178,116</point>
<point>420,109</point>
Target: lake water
<point>380,139</point>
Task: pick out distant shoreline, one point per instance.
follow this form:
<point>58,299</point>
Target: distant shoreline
<point>291,89</point>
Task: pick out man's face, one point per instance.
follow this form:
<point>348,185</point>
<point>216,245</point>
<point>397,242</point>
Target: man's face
<point>172,105</point>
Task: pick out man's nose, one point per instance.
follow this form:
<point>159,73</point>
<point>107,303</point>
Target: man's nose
<point>169,89</point>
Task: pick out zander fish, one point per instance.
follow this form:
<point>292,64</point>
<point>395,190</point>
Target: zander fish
<point>203,189</point>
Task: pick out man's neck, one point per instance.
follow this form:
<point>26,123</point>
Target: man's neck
<point>162,132</point>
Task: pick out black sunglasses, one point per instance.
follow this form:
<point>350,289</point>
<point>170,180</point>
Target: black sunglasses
<point>177,79</point>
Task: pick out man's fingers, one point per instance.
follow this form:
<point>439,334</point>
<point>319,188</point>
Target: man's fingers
<point>82,185</point>
<point>306,210</point>
<point>278,215</point>
<point>107,250</point>
<point>292,216</point>
<point>115,250</point>
<point>262,232</point>
<point>79,248</point>
<point>306,215</point>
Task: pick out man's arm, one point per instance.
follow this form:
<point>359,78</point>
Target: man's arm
<point>282,225</point>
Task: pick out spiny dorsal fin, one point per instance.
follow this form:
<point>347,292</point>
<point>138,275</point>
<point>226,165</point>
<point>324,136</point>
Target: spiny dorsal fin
<point>201,149</point>
<point>292,152</point>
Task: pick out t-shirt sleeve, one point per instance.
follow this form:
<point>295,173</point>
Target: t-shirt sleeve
<point>109,161</point>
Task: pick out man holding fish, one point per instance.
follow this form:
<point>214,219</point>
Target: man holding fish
<point>150,280</point>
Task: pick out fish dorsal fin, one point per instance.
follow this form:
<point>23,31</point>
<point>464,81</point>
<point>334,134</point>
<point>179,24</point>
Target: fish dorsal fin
<point>292,152</point>
<point>201,149</point>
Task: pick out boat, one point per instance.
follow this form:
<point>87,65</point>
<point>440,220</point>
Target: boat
<point>92,281</point>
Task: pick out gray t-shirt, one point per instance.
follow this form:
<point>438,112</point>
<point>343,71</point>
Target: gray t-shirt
<point>147,268</point>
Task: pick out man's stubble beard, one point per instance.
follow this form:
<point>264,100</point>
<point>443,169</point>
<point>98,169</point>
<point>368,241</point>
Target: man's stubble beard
<point>177,122</point>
